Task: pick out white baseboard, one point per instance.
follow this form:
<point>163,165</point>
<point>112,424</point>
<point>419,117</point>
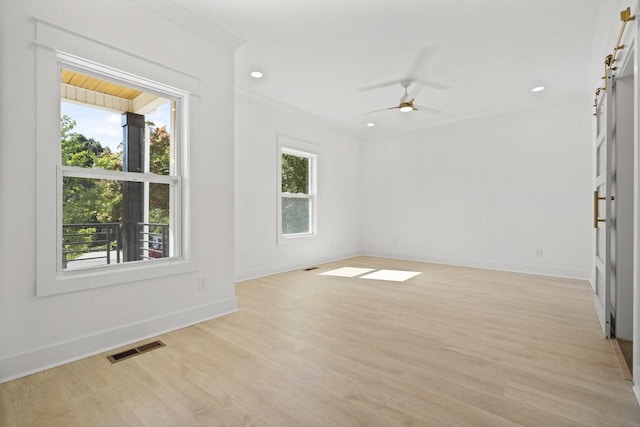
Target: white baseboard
<point>242,275</point>
<point>41,359</point>
<point>485,264</point>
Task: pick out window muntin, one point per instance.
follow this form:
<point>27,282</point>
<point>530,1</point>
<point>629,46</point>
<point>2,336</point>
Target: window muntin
<point>120,196</point>
<point>297,193</point>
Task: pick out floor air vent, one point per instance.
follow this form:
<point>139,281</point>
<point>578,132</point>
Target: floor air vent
<point>310,268</point>
<point>135,351</point>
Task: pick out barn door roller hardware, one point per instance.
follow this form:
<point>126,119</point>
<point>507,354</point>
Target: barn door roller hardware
<point>625,16</point>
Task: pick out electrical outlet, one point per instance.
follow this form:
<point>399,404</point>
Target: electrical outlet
<point>202,284</point>
<point>539,252</point>
<point>243,257</point>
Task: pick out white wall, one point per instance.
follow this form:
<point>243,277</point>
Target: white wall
<point>40,332</point>
<point>258,124</point>
<point>486,192</point>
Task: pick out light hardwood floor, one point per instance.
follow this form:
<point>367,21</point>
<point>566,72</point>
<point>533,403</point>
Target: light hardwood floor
<point>451,347</point>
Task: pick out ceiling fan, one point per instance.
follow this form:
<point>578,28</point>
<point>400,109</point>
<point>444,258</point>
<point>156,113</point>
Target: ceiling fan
<point>406,103</point>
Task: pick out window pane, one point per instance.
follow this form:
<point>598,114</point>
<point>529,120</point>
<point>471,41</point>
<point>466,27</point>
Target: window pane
<point>159,145</point>
<point>295,215</point>
<point>295,174</point>
<point>109,222</point>
<point>159,203</point>
<point>87,200</point>
<point>78,143</point>
<point>98,116</point>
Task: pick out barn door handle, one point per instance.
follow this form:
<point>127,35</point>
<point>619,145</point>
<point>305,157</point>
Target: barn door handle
<point>596,210</point>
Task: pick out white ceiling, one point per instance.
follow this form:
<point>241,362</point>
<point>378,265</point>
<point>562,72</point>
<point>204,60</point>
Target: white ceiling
<point>317,55</point>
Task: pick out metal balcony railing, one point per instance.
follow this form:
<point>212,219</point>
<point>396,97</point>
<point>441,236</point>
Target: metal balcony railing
<point>94,244</point>
<point>91,242</point>
<point>153,240</point>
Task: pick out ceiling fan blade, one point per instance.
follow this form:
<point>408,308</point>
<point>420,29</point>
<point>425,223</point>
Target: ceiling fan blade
<point>416,90</point>
<point>419,61</point>
<point>384,109</point>
<point>434,85</point>
<point>378,86</point>
<point>426,109</point>
<point>417,69</point>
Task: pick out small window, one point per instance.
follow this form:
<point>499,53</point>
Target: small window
<point>120,175</point>
<point>297,193</point>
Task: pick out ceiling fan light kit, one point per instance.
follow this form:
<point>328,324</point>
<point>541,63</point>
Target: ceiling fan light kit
<point>406,106</point>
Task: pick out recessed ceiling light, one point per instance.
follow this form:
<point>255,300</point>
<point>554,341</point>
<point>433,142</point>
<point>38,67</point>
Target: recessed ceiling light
<point>537,89</point>
<point>370,125</point>
<point>256,74</point>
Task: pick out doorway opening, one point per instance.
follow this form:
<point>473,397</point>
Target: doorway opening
<point>622,231</point>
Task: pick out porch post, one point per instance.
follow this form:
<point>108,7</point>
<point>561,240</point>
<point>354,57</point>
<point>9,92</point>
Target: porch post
<point>132,192</point>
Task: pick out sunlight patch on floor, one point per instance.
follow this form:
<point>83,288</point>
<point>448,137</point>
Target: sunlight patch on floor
<point>392,275</point>
<point>347,272</point>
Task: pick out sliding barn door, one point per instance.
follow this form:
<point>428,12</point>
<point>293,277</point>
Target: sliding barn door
<point>602,199</point>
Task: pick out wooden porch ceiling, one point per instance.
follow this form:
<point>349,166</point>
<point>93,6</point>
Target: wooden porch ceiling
<point>95,92</point>
<point>96,85</point>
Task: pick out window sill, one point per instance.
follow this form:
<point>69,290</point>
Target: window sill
<point>290,238</point>
<point>79,280</point>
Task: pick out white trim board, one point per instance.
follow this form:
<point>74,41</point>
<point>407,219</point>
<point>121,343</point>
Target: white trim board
<point>28,363</point>
<point>487,265</point>
<point>295,112</point>
<point>255,273</point>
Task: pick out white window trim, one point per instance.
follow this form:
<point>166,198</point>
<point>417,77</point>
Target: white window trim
<point>55,48</point>
<point>299,148</point>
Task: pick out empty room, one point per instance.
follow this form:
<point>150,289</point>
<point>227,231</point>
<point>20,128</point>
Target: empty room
<point>319,213</point>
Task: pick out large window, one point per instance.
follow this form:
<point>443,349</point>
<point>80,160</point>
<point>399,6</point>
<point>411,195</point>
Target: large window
<point>120,172</point>
<point>112,166</point>
<point>297,193</point>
